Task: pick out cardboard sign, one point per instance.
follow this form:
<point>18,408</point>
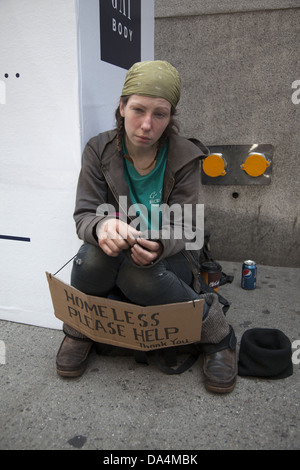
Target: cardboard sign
<point>124,324</point>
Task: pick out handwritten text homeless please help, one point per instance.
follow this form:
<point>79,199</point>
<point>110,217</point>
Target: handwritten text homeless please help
<point>124,324</point>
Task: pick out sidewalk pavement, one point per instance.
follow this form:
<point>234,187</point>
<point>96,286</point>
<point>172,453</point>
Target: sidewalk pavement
<point>119,404</point>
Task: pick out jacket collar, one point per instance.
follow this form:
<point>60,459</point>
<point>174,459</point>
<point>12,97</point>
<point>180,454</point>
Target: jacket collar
<point>183,151</point>
<point>112,165</point>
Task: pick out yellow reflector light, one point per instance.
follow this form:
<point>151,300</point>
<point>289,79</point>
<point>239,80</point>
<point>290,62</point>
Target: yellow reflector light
<point>255,165</point>
<point>214,165</point>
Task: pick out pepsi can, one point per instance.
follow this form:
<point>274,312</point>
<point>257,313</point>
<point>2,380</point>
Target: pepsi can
<point>249,271</point>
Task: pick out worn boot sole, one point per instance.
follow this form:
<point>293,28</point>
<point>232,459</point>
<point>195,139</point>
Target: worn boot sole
<point>218,389</point>
<point>71,373</point>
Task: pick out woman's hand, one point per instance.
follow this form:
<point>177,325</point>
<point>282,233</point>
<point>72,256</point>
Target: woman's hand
<point>145,251</point>
<point>114,235</point>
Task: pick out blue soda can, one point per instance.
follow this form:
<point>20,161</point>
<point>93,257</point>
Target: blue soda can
<point>249,271</point>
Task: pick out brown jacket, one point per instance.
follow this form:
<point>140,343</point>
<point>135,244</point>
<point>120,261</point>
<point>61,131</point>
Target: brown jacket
<point>102,181</point>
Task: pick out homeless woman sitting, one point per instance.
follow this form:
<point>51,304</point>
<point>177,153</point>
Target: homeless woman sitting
<point>145,160</point>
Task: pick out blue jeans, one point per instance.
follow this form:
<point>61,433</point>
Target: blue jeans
<point>168,281</point>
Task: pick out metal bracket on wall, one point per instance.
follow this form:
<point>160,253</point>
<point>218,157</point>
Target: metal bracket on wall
<point>238,165</point>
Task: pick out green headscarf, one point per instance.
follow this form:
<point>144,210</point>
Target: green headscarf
<point>153,78</point>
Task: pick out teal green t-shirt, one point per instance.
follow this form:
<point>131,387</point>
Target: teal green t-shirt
<point>146,191</point>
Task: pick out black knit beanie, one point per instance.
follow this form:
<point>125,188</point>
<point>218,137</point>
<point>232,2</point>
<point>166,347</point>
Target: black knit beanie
<point>265,352</point>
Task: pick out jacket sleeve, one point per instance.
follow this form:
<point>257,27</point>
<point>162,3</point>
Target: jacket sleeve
<point>182,217</point>
<point>91,192</point>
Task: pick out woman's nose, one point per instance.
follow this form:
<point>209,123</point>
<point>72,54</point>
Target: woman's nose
<point>147,122</point>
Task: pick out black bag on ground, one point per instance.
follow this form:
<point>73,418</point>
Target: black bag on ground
<point>205,255</point>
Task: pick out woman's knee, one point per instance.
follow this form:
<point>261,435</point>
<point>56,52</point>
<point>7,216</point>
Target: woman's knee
<point>93,271</point>
<point>154,285</point>
<point>140,285</point>
<point>88,259</point>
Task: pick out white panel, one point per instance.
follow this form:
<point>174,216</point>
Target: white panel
<point>39,153</point>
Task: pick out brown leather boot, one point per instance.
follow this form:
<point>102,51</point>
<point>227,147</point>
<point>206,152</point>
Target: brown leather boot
<point>72,357</point>
<point>220,370</point>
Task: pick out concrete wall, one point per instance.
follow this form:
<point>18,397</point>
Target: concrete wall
<point>238,65</point>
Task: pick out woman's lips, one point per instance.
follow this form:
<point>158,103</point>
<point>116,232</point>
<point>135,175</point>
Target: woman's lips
<point>143,138</point>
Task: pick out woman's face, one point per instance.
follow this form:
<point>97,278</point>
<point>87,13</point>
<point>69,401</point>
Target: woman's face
<point>145,119</point>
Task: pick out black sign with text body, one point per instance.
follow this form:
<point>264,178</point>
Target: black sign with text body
<point>120,32</point>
